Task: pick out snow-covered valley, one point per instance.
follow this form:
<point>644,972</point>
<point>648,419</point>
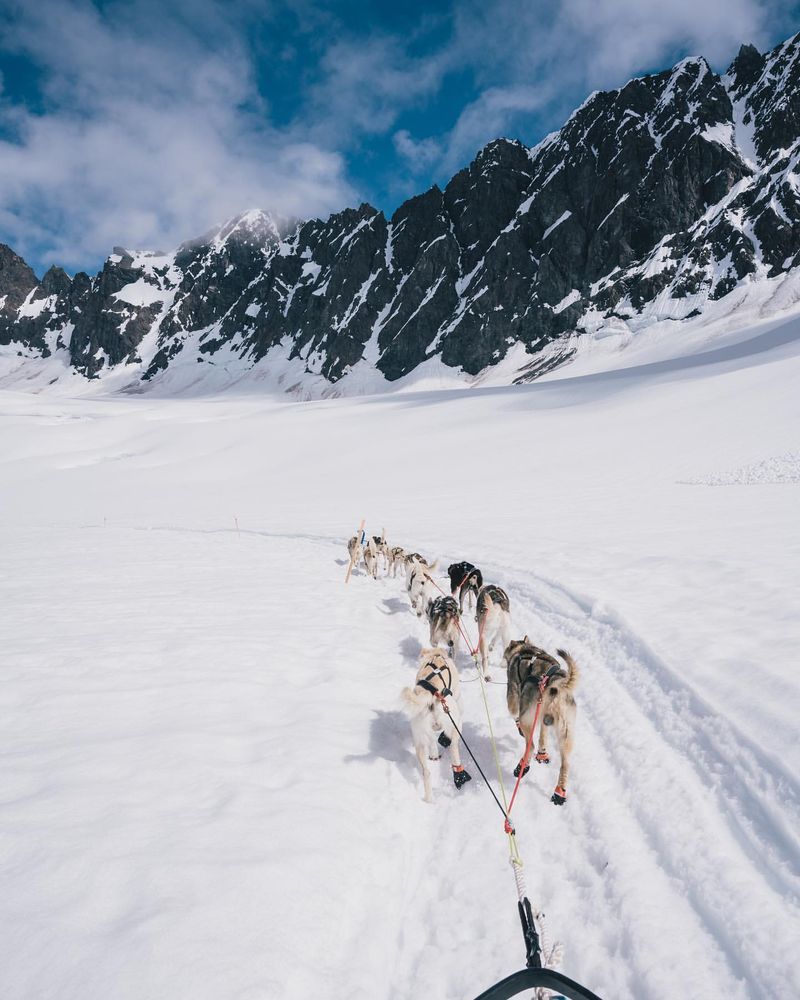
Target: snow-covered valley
<point>208,787</point>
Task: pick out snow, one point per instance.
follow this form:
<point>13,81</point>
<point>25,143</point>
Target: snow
<point>620,201</point>
<point>776,469</point>
<point>569,298</point>
<point>208,788</point>
<point>33,307</point>
<point>140,293</point>
<point>562,218</point>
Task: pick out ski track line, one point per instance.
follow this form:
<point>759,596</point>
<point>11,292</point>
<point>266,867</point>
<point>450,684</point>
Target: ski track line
<point>715,750</point>
<point>732,902</point>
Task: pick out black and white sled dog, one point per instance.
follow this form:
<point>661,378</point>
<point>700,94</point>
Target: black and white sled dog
<point>535,676</point>
<point>421,588</point>
<point>382,549</point>
<point>397,557</point>
<point>493,615</point>
<point>436,687</point>
<point>465,580</point>
<point>443,616</point>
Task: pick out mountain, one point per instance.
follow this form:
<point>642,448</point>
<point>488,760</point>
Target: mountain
<point>651,203</point>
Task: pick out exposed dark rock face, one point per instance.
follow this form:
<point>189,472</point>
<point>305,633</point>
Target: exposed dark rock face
<point>651,201</point>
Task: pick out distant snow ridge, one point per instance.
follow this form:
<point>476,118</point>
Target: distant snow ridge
<point>779,469</point>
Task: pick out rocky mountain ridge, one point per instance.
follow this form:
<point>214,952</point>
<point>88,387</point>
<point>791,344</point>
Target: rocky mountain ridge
<point>652,201</point>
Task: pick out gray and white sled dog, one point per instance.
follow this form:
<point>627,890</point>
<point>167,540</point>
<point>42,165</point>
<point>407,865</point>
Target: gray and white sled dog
<point>421,588</point>
<point>397,557</point>
<point>437,685</point>
<point>535,676</point>
<point>493,615</point>
<point>355,550</point>
<point>443,617</point>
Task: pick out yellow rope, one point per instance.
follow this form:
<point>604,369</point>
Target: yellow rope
<point>516,858</point>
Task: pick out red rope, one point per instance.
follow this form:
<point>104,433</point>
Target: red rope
<point>525,761</point>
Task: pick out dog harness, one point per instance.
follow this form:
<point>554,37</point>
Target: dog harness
<point>544,680</point>
<point>425,682</point>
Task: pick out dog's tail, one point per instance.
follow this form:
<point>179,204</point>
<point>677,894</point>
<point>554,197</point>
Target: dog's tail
<point>415,700</point>
<point>574,672</point>
<point>434,564</point>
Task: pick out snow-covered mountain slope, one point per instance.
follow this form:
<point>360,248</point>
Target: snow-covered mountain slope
<point>651,206</point>
<point>208,788</point>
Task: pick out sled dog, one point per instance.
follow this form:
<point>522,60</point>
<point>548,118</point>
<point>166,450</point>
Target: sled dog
<point>494,621</point>
<point>421,588</point>
<point>443,617</point>
<point>414,558</point>
<point>371,558</point>
<point>534,677</point>
<point>382,550</point>
<point>355,550</point>
<point>437,686</point>
<point>465,580</point>
<point>397,556</point>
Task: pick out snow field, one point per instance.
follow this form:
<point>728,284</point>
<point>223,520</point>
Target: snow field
<point>208,788</point>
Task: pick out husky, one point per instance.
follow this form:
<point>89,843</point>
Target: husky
<point>382,550</point>
<point>396,558</point>
<point>421,588</point>
<point>535,677</point>
<point>355,550</point>
<point>371,558</point>
<point>494,621</point>
<point>413,559</point>
<point>444,621</point>
<point>465,580</point>
<point>433,707</point>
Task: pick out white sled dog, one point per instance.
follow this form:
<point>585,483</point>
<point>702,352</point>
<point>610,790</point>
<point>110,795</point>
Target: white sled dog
<point>421,588</point>
<point>437,686</point>
<point>413,559</point>
<point>535,677</point>
<point>494,621</point>
<point>371,558</point>
<point>397,557</point>
<point>443,617</point>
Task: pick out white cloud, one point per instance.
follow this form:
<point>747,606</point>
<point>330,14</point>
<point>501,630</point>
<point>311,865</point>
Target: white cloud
<point>534,62</point>
<point>147,138</point>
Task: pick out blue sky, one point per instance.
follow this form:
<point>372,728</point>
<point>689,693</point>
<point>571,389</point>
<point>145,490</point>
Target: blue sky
<point>143,123</point>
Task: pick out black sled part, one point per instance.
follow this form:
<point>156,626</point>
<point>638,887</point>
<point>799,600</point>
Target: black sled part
<point>444,740</point>
<point>516,770</point>
<point>461,778</point>
<point>529,979</point>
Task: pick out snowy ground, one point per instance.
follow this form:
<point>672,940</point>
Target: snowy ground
<point>208,790</point>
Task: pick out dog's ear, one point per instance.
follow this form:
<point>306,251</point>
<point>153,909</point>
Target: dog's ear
<point>526,639</point>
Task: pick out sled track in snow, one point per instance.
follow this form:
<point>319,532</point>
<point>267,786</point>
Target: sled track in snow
<point>677,826</point>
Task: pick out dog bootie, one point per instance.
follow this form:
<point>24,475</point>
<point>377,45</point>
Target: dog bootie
<point>519,768</point>
<point>444,740</point>
<point>559,796</point>
<point>460,776</point>
<point>542,757</point>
